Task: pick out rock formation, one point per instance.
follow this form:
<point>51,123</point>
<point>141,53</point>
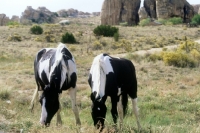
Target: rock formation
<point>40,15</point>
<point>15,18</point>
<point>4,19</point>
<point>150,7</point>
<point>169,8</point>
<point>114,12</point>
<point>75,13</point>
<point>142,13</point>
<point>199,11</point>
<point>196,8</point>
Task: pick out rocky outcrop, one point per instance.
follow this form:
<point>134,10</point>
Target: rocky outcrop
<point>15,18</point>
<point>142,13</point>
<point>75,13</point>
<point>169,8</point>
<point>114,12</point>
<point>150,7</point>
<point>40,15</point>
<point>4,19</point>
<point>199,11</point>
<point>196,8</point>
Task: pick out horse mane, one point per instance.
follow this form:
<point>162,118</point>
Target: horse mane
<point>100,76</point>
<point>59,60</point>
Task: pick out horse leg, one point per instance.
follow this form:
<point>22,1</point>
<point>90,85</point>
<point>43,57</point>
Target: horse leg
<point>33,98</point>
<point>59,121</point>
<point>135,110</point>
<point>72,92</point>
<point>120,112</point>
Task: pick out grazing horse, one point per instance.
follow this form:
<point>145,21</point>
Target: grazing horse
<point>114,77</point>
<point>55,71</point>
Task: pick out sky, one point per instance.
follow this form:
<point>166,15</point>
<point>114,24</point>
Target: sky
<point>16,7</point>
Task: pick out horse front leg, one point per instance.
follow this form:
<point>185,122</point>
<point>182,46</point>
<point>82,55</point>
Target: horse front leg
<point>114,109</point>
<point>35,94</point>
<point>59,121</point>
<point>72,92</point>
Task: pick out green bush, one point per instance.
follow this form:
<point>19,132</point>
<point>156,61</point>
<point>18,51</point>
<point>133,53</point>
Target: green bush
<point>4,94</point>
<point>171,21</point>
<point>145,22</point>
<point>105,30</point>
<point>12,23</point>
<point>36,29</point>
<point>116,36</point>
<point>175,20</point>
<point>68,38</point>
<point>196,19</point>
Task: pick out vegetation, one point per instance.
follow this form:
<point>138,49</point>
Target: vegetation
<point>144,22</point>
<point>36,29</point>
<point>196,19</point>
<point>68,38</point>
<point>105,30</point>
<point>168,95</point>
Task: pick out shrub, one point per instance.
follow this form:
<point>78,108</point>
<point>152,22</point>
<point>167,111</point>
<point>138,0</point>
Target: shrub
<point>13,23</point>
<point>50,38</point>
<point>196,19</point>
<point>68,38</point>
<point>97,45</point>
<point>175,20</point>
<point>105,30</point>
<point>116,36</point>
<point>4,94</point>
<point>178,59</point>
<point>15,37</point>
<point>145,22</point>
<point>171,21</point>
<point>36,29</point>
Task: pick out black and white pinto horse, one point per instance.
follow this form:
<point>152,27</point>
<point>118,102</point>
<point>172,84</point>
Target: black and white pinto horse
<point>114,77</point>
<point>55,71</point>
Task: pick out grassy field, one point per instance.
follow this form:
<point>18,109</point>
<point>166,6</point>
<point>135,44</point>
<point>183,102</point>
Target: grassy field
<point>168,96</point>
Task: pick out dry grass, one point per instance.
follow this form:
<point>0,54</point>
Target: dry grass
<point>168,96</point>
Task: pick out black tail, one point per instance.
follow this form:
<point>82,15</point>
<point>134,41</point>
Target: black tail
<point>124,102</point>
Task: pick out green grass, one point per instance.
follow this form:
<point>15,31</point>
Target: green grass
<point>168,97</point>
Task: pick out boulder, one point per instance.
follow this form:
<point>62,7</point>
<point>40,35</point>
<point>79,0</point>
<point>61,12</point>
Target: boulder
<point>15,18</point>
<point>4,19</point>
<point>196,8</point>
<point>169,8</point>
<point>142,13</point>
<point>41,15</point>
<point>114,12</point>
<point>72,13</point>
<point>150,7</point>
<point>199,11</point>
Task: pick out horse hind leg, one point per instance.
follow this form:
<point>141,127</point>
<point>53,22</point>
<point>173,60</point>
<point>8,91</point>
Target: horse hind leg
<point>120,112</point>
<point>135,110</point>
<point>72,92</point>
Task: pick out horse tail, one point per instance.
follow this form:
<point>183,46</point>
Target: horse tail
<point>124,102</point>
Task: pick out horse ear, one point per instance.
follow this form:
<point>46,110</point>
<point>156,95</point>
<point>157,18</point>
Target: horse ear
<point>92,97</point>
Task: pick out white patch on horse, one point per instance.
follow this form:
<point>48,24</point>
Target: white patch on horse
<point>119,92</point>
<point>44,112</point>
<point>100,67</point>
